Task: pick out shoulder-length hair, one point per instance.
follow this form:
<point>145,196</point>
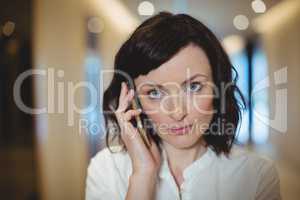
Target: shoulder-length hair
<point>156,41</point>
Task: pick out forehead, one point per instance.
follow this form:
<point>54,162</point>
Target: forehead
<point>187,62</point>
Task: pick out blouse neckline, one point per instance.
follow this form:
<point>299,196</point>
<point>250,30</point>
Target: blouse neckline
<point>200,163</point>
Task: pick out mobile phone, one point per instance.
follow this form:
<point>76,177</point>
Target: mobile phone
<point>135,105</point>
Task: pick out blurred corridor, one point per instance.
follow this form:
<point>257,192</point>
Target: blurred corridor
<point>49,48</point>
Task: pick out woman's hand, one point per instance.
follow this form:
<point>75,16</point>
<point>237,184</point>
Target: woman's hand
<point>144,161</point>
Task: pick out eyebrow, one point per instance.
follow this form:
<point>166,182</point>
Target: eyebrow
<point>184,82</point>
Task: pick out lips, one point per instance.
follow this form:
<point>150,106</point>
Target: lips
<point>181,130</point>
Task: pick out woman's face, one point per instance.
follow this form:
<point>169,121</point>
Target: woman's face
<point>179,93</point>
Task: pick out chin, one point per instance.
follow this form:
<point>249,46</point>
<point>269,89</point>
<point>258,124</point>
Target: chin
<point>181,141</point>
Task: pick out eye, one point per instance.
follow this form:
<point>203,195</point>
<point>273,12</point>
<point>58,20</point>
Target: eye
<point>195,87</point>
<point>154,94</point>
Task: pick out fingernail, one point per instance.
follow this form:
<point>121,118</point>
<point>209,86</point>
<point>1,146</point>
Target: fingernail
<point>131,91</point>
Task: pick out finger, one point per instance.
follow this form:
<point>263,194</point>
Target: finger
<point>131,113</point>
<point>123,90</point>
<point>124,103</point>
<point>132,139</point>
<point>124,118</point>
<point>123,93</point>
<point>131,136</point>
<point>124,123</point>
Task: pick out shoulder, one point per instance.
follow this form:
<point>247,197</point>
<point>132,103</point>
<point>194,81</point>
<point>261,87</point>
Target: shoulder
<point>107,154</point>
<point>258,164</point>
<point>106,173</point>
<point>241,156</point>
<point>107,159</point>
<point>257,170</point>
<point>247,164</point>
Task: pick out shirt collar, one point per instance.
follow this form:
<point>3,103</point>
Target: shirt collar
<point>200,163</point>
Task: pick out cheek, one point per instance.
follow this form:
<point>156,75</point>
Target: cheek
<point>203,103</point>
<point>152,110</point>
<point>202,111</point>
<point>149,108</point>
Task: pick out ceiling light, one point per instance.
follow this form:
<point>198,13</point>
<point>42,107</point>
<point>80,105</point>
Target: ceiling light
<point>258,6</point>
<point>95,25</point>
<point>233,44</point>
<point>146,8</point>
<point>8,28</point>
<point>241,22</point>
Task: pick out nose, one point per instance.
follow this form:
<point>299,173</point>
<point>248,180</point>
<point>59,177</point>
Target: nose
<point>178,108</point>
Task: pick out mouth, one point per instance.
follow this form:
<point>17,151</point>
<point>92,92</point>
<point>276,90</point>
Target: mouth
<point>181,130</point>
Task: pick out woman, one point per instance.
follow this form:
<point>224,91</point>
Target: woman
<point>183,81</point>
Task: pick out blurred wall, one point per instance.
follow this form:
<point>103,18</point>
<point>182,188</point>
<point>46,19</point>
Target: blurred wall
<point>280,30</point>
<point>59,43</point>
<point>118,22</point>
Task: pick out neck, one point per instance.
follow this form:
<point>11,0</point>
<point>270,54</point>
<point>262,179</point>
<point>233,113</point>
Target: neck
<point>179,159</point>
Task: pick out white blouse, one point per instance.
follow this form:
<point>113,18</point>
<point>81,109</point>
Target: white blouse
<point>241,176</point>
